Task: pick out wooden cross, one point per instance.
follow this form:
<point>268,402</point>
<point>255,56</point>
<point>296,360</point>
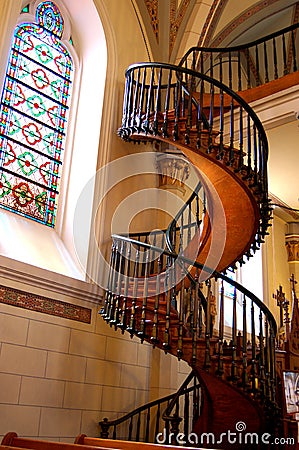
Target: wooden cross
<point>280,297</point>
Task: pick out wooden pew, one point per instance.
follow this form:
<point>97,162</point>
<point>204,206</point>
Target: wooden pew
<point>124,445</point>
<point>12,440</point>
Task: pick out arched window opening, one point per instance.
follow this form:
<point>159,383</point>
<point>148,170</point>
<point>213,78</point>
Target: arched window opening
<point>33,116</point>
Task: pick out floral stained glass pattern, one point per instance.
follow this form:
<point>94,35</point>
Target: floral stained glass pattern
<point>33,116</point>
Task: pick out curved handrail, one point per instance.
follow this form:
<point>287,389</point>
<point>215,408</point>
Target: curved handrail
<point>170,399</point>
<point>260,61</point>
<point>238,47</point>
<point>153,103</point>
<point>211,272</point>
<point>193,75</point>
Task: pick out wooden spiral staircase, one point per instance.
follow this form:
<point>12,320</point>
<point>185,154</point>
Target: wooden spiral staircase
<point>166,292</point>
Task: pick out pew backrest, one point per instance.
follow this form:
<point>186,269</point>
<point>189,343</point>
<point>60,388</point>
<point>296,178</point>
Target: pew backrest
<point>11,439</point>
<point>124,445</point>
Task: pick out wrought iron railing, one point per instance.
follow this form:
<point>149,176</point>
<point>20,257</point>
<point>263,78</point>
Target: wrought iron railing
<point>250,65</point>
<point>161,416</point>
<point>160,102</point>
<point>167,310</point>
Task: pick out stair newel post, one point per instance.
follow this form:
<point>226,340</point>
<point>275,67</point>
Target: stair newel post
<point>141,334</point>
<point>234,339</point>
<point>166,106</point>
<point>158,103</point>
<point>207,363</point>
<point>253,351</point>
<point>244,346</point>
<point>284,51</point>
<point>127,270</point>
<point>294,51</point>
<point>131,328</point>
<point>275,59</point>
<point>262,377</point>
<point>154,337</point>
<point>266,63</point>
<point>221,332</point>
<point>257,66</point>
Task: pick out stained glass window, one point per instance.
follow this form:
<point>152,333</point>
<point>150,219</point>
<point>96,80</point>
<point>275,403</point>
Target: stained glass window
<point>33,116</point>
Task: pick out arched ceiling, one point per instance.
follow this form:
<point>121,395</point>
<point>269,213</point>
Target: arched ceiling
<point>173,26</point>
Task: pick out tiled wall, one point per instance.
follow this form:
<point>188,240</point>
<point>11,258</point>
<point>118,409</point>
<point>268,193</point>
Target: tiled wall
<point>59,377</point>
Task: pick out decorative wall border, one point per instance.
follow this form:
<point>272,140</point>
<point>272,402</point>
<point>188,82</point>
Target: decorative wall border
<point>45,305</point>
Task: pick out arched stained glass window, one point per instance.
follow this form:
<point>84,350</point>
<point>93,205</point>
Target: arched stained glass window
<point>33,116</point>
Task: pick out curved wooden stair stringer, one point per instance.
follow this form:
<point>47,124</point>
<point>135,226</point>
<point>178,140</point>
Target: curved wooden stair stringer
<point>234,212</point>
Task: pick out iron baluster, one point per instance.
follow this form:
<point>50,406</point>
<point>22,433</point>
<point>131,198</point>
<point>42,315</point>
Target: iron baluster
<point>239,72</point>
<point>167,291</point>
<point>166,107</point>
<point>248,147</point>
<point>123,322</point>
<point>232,133</point>
<point>137,439</point>
<point>294,51</point>
<point>230,70</point>
<point>141,99</point>
<point>284,52</point>
<point>275,59</point>
<point>244,347</point>
<point>131,328</point>
<point>207,363</point>
<point>262,378</point>
<point>234,339</point>
<point>135,100</point>
<point>253,351</point>
<point>221,332</point>
<point>110,284</point>
<point>157,105</point>
<point>248,68</point>
<point>150,89</point>
<point>141,334</point>
<point>241,140</point>
<point>257,66</point>
<point>154,337</point>
<point>266,63</point>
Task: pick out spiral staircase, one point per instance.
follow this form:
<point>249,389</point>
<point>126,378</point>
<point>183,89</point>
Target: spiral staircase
<point>166,292</point>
